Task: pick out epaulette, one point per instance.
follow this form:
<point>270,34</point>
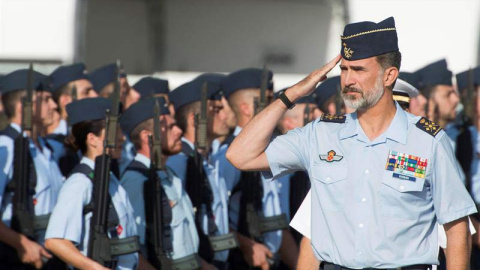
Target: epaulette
<point>333,118</point>
<point>428,126</point>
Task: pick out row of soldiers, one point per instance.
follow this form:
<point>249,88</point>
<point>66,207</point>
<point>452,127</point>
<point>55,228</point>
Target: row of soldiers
<point>98,174</point>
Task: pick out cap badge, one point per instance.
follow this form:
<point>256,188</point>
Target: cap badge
<point>347,51</point>
<point>331,156</point>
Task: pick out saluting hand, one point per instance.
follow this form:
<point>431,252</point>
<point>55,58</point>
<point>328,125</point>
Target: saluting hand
<point>31,252</point>
<point>306,86</point>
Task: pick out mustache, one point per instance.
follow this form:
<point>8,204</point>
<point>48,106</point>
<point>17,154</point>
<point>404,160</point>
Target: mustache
<point>348,89</point>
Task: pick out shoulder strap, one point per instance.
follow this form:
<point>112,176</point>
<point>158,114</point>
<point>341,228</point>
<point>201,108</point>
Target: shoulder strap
<point>186,149</point>
<point>428,126</point>
<point>228,140</point>
<point>10,132</point>
<point>56,137</point>
<point>331,118</point>
<point>139,167</point>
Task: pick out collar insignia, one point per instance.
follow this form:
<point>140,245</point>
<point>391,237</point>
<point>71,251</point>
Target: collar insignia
<point>331,156</point>
<point>428,126</point>
<point>347,51</point>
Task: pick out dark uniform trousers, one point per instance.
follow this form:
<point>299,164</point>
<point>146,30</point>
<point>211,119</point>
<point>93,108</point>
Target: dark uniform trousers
<point>331,266</point>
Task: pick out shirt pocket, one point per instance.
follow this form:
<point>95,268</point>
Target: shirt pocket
<point>399,197</point>
<point>330,184</point>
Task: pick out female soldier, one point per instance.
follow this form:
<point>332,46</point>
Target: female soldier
<point>69,226</point>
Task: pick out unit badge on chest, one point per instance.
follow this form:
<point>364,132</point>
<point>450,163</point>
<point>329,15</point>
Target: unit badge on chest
<point>406,167</point>
<point>331,156</point>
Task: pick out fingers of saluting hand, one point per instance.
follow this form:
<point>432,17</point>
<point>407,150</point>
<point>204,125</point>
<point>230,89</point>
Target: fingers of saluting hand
<point>308,84</point>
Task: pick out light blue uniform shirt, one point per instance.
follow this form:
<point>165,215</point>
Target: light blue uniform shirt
<point>49,179</point>
<point>69,222</point>
<point>178,163</point>
<point>364,216</point>
<point>185,237</point>
<point>270,203</point>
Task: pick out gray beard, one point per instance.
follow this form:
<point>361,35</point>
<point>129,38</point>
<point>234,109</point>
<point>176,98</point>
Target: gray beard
<point>367,99</point>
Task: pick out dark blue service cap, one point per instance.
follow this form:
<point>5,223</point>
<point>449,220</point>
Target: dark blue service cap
<point>463,78</point>
<point>212,77</point>
<point>245,78</point>
<point>192,91</point>
<point>141,111</point>
<point>436,73</point>
<point>327,89</point>
<point>88,109</point>
<point>367,39</point>
<point>65,74</point>
<point>17,80</point>
<point>411,78</point>
<point>150,86</point>
<point>102,76</point>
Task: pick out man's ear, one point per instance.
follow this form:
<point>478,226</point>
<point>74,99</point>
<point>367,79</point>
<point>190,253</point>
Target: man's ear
<point>390,76</point>
<point>244,109</point>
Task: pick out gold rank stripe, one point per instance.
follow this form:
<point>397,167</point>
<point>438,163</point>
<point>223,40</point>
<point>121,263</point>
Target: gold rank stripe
<point>368,32</point>
<point>401,98</point>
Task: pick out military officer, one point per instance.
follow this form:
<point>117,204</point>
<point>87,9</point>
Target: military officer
<point>381,178</point>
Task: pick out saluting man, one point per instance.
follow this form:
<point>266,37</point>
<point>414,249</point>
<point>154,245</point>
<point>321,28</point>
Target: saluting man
<point>393,175</point>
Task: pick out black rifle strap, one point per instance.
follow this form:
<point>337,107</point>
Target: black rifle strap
<point>299,187</point>
<point>199,190</point>
<point>167,216</point>
<point>464,152</point>
<point>251,188</point>
<point>198,185</point>
<point>13,134</point>
<point>228,140</point>
<point>113,219</point>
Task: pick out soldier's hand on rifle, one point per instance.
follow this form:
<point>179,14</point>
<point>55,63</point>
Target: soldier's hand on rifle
<point>31,252</point>
<point>306,86</point>
<point>256,255</point>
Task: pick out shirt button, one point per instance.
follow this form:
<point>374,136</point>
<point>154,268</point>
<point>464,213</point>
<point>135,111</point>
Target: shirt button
<point>367,171</point>
<point>328,178</point>
<point>360,225</point>
<point>364,199</point>
<point>402,187</point>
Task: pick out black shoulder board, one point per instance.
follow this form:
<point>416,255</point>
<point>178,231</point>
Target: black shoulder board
<point>428,126</point>
<point>333,118</point>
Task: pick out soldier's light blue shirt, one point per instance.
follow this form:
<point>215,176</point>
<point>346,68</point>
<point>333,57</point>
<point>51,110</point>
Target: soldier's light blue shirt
<point>185,237</point>
<point>62,128</point>
<point>271,207</point>
<point>178,163</point>
<point>49,179</point>
<point>364,216</point>
<point>69,222</point>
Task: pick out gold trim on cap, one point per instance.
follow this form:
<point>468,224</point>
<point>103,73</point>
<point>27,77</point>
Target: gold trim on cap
<point>401,98</point>
<point>368,32</point>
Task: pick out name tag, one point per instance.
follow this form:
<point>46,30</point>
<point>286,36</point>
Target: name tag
<point>404,177</point>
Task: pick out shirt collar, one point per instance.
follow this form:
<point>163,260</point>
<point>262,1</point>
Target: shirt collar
<point>143,159</point>
<point>16,127</point>
<point>62,128</point>
<point>188,142</point>
<point>237,131</point>
<point>397,130</point>
<point>90,163</point>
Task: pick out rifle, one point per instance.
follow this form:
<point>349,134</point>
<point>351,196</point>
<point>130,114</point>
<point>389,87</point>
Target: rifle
<point>262,102</point>
<point>23,208</point>
<point>158,214</point>
<point>99,242</point>
<point>338,101</point>
<point>468,101</point>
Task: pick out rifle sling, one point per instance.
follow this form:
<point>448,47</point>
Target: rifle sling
<point>189,262</point>
<point>223,242</point>
<point>40,222</point>
<point>124,246</point>
<point>273,223</point>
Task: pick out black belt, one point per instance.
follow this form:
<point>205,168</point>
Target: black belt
<point>331,266</point>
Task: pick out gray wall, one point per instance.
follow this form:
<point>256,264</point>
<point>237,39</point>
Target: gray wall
<point>207,35</point>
